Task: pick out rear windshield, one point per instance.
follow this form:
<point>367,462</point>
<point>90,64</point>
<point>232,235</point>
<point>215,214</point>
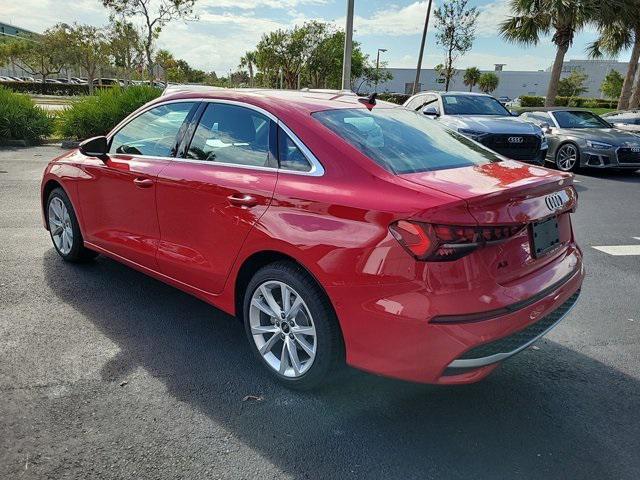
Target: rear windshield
<point>403,141</point>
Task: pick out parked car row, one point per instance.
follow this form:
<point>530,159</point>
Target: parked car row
<point>338,229</point>
<point>565,137</point>
<point>84,81</point>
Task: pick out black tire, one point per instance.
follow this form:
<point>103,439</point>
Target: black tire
<point>78,253</point>
<point>576,165</point>
<point>329,354</point>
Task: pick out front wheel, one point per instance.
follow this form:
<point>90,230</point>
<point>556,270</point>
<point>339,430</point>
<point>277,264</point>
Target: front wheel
<point>568,157</point>
<point>291,326</point>
<point>64,228</point>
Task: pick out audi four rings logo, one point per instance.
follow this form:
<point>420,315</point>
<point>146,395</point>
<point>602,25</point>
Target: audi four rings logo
<point>515,140</point>
<point>635,149</point>
<point>554,201</point>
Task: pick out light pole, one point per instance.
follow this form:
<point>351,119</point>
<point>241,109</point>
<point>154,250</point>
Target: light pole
<point>378,67</point>
<point>424,37</point>
<point>348,45</point>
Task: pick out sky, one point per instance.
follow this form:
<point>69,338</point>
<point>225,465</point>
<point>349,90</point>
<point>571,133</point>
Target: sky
<point>227,28</point>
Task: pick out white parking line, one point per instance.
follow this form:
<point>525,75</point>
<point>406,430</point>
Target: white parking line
<point>620,250</point>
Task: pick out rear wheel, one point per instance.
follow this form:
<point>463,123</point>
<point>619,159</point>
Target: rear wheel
<point>568,157</point>
<point>291,326</point>
<point>64,228</point>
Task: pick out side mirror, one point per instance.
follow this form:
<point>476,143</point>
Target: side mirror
<point>546,128</point>
<point>431,111</point>
<point>95,147</point>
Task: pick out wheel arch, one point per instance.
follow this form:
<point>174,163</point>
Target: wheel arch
<point>49,187</point>
<point>257,260</point>
<point>562,144</point>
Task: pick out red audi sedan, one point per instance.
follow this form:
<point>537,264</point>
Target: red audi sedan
<point>339,229</point>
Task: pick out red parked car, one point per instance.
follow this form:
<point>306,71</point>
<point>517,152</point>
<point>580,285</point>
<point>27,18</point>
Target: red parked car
<point>337,228</point>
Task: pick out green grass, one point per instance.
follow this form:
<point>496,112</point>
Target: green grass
<point>22,119</point>
<point>97,114</point>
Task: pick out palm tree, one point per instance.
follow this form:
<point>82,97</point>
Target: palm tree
<point>617,35</point>
<point>488,82</point>
<point>471,77</point>
<point>248,60</point>
<point>535,18</point>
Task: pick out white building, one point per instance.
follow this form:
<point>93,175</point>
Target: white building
<point>513,83</point>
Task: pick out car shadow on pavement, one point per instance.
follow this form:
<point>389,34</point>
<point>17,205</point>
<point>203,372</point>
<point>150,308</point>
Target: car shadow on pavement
<point>548,413</point>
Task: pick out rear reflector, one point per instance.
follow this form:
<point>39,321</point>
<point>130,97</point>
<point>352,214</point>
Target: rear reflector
<point>438,243</point>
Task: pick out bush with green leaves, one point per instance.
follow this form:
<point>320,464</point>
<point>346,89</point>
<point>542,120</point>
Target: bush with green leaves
<point>97,114</point>
<point>22,119</point>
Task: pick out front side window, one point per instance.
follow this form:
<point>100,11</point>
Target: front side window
<point>290,156</point>
<point>579,119</point>
<point>152,133</point>
<point>231,134</point>
<point>473,105</point>
<point>403,141</point>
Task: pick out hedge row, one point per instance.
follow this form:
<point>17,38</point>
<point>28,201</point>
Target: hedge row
<point>530,101</point>
<point>39,88</point>
<point>21,119</point>
<point>398,98</point>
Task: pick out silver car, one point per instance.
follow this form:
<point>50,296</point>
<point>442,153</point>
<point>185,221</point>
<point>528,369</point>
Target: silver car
<point>624,119</point>
<point>580,138</point>
<point>484,119</point>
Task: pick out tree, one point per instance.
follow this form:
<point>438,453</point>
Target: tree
<point>471,77</point>
<point>44,56</point>
<point>533,19</point>
<point>456,26</point>
<point>611,86</point>
<point>488,82</point>
<point>89,48</point>
<point>372,75</point>
<point>617,34</point>
<point>248,60</point>
<point>573,85</point>
<point>126,48</point>
<point>155,14</point>
<point>164,58</point>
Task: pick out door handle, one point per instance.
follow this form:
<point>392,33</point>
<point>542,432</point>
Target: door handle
<point>143,182</point>
<point>239,200</point>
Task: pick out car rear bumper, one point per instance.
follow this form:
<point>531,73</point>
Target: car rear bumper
<point>503,348</point>
<point>384,334</point>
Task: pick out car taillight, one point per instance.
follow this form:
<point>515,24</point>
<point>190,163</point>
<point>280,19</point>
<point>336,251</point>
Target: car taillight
<point>441,243</point>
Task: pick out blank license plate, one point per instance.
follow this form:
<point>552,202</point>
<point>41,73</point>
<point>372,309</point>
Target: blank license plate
<point>545,236</point>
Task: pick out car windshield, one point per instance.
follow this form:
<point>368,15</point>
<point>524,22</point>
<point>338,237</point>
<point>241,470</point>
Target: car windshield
<point>403,141</point>
<point>472,105</point>
<point>579,119</point>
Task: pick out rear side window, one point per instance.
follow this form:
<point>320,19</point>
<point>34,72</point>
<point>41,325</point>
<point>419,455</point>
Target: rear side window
<point>403,141</point>
<point>153,133</point>
<point>231,134</point>
<point>290,156</point>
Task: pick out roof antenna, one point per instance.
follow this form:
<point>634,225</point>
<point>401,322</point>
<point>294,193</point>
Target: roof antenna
<point>370,101</point>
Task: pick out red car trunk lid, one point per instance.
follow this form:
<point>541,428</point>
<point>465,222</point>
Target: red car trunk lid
<point>508,193</point>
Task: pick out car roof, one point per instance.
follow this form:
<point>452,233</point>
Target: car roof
<point>305,100</point>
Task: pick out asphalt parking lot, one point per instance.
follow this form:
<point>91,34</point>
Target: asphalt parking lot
<point>106,373</point>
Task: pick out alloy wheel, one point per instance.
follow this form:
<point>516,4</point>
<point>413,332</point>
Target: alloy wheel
<point>60,225</point>
<point>282,328</point>
<point>567,157</point>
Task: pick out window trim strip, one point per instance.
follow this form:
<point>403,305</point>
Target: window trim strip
<point>317,170</point>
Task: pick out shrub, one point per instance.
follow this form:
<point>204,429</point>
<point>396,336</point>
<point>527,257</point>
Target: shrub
<point>21,118</point>
<point>99,113</point>
<point>530,101</point>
